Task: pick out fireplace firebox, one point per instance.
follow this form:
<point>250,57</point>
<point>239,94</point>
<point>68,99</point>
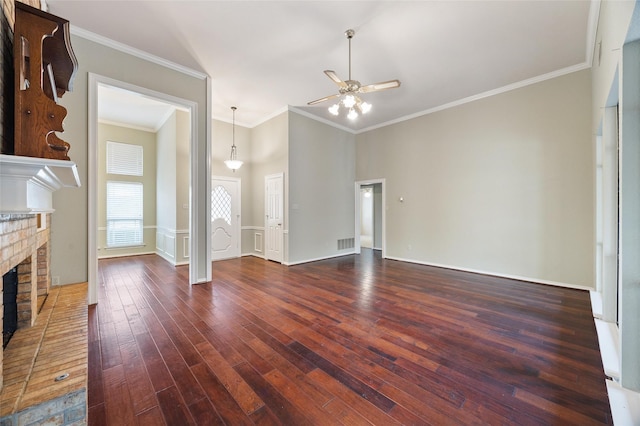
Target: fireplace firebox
<point>10,302</point>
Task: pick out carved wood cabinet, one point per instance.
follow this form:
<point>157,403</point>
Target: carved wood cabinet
<point>45,66</point>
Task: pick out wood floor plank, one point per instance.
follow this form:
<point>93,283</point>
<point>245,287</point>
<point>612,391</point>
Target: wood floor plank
<point>97,416</point>
<point>151,417</point>
<point>156,368</point>
<point>242,393</point>
<point>352,340</point>
<point>173,407</point>
<point>299,399</point>
<point>283,409</point>
<point>94,380</point>
<point>204,413</point>
<point>118,402</point>
<point>226,406</point>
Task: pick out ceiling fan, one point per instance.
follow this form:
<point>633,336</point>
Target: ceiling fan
<point>350,89</point>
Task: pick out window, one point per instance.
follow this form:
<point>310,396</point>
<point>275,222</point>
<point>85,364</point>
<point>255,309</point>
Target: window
<point>220,204</point>
<point>124,159</point>
<point>124,214</point>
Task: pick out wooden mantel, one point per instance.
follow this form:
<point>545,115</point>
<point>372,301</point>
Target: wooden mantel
<point>27,183</point>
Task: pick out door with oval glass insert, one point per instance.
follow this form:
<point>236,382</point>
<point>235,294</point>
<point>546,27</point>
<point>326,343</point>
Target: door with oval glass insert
<point>225,218</point>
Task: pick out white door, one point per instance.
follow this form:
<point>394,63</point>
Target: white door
<point>274,216</point>
<point>225,218</point>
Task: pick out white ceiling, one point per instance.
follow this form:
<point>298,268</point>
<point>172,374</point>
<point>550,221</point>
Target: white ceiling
<point>117,106</point>
<point>265,55</point>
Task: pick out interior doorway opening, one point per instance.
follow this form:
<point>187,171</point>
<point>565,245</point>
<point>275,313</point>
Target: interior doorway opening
<point>370,215</point>
<point>186,240</point>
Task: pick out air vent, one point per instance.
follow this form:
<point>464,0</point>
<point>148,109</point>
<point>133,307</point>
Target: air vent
<point>346,243</point>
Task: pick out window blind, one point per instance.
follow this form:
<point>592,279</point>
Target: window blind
<point>124,159</point>
<point>124,214</point>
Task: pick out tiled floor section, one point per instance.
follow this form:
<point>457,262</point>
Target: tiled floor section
<point>55,345</point>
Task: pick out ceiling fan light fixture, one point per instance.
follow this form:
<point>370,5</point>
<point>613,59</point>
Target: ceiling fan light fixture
<point>348,90</point>
<point>233,163</point>
<point>349,101</point>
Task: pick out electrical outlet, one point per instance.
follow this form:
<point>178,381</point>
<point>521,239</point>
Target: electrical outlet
<point>55,280</point>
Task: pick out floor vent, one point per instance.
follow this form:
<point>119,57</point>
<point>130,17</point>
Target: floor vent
<point>346,243</point>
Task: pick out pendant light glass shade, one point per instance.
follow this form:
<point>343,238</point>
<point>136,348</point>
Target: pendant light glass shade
<point>233,163</point>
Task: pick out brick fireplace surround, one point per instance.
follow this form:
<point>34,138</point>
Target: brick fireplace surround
<point>25,244</point>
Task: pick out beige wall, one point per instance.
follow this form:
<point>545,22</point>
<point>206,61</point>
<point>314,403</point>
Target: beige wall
<point>263,149</point>
<point>108,132</point>
<point>321,196</point>
<point>172,235</point>
<point>502,185</point>
<point>269,148</point>
<point>70,221</point>
<point>220,151</point>
<point>269,155</point>
<point>183,168</point>
<point>166,172</point>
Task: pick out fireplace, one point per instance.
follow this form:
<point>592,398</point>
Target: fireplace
<point>24,242</point>
<point>26,202</point>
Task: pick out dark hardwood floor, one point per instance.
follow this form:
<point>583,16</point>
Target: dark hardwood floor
<point>352,340</point>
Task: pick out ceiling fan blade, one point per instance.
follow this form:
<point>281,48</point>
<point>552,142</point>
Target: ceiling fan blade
<point>326,98</point>
<point>391,84</point>
<point>332,75</point>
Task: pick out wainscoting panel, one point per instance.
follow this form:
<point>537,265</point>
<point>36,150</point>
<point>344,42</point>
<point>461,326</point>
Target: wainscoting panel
<point>252,242</point>
<point>185,246</point>
<point>257,246</point>
<point>170,245</point>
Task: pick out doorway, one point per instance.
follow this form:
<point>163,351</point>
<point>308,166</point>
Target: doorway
<point>191,242</point>
<point>370,215</point>
<point>225,217</point>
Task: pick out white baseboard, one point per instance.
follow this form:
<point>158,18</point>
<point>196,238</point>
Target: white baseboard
<point>165,257</point>
<point>259,256</point>
<point>319,258</point>
<point>609,342</point>
<point>494,274</point>
<point>596,303</point>
<point>625,404</point>
<point>111,256</point>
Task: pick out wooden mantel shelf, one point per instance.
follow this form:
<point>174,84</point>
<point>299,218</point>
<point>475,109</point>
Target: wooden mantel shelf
<point>27,183</point>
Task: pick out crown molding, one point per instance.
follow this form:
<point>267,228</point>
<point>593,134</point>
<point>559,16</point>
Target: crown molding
<point>322,120</point>
<point>489,93</point>
<point>80,32</point>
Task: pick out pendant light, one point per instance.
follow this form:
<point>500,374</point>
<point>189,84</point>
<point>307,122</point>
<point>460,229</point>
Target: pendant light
<point>233,163</point>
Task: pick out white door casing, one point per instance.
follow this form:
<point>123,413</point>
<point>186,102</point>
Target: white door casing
<point>274,216</point>
<point>225,218</point>
<point>358,218</point>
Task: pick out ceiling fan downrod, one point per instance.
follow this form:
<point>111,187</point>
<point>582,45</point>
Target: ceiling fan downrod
<point>350,33</point>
